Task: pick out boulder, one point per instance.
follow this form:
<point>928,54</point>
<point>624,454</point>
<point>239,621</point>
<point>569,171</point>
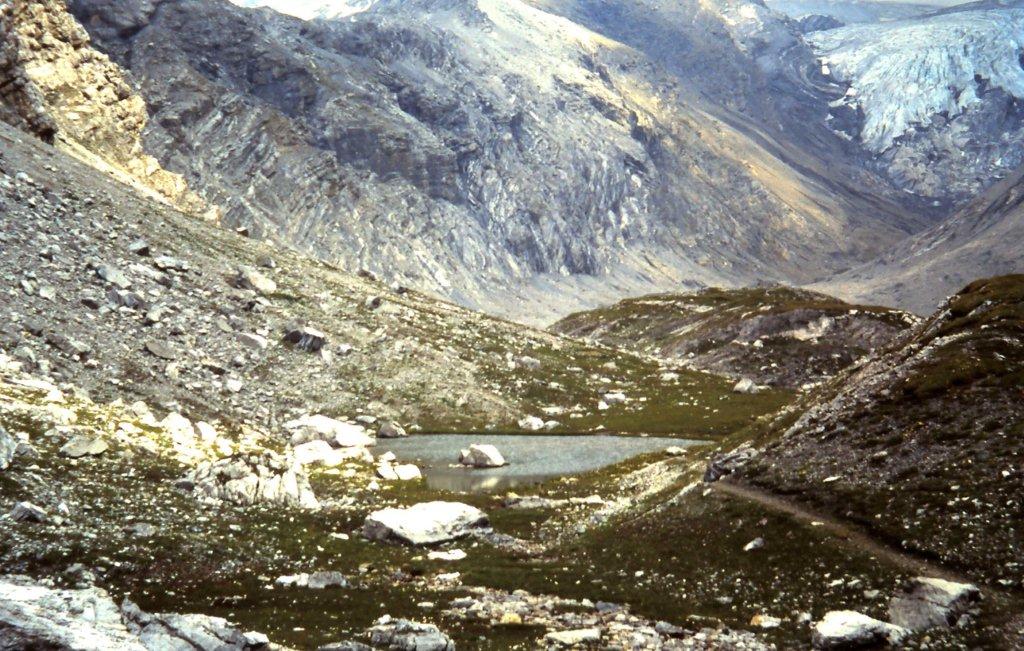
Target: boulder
<point>28,512</point>
<point>847,629</point>
<point>729,462</point>
<point>310,340</point>
<point>322,428</point>
<point>8,447</point>
<point>399,472</point>
<point>746,385</point>
<point>404,635</point>
<point>255,342</point>
<point>579,637</point>
<point>482,456</point>
<point>320,453</point>
<point>114,276</point>
<point>427,523</point>
<point>391,430</point>
<point>615,398</point>
<point>34,616</point>
<point>84,445</point>
<point>264,478</point>
<point>922,603</point>
<point>161,631</point>
<point>314,581</point>
<point>531,423</point>
<point>249,278</point>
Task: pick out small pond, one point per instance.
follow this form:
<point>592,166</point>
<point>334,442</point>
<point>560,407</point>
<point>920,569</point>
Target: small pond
<point>531,459</point>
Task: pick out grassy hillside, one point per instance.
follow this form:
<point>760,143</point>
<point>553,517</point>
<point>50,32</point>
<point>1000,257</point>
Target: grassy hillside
<point>775,335</point>
<point>923,444</point>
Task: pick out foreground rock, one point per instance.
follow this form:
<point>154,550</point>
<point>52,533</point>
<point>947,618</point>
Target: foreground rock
<point>8,446</point>
<point>158,632</point>
<point>846,629</point>
<point>321,428</point>
<point>427,523</point>
<point>482,456</point>
<point>404,635</point>
<point>390,430</point>
<point>314,581</point>
<point>730,462</point>
<point>39,617</point>
<point>84,445</point>
<point>248,479</point>
<point>924,603</point>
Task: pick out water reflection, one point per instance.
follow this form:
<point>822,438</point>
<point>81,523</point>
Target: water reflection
<point>532,459</point>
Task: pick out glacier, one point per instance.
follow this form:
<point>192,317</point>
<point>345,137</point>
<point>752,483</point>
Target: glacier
<point>903,73</point>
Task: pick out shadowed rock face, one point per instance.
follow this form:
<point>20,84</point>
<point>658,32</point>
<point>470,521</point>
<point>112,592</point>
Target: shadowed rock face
<point>492,152</point>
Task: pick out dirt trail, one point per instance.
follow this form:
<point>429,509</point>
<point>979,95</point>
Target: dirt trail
<point>844,531</point>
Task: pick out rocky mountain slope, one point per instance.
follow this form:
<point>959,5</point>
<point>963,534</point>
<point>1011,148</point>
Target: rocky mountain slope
<point>939,95</point>
<point>776,335</point>
<point>981,239</point>
<point>499,153</point>
<point>130,299</point>
<point>60,88</point>
<point>921,444</point>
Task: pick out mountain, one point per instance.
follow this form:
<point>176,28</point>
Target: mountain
<point>921,444</point>
<point>938,98</point>
<point>778,336</point>
<point>853,11</point>
<point>980,240</point>
<point>501,154</point>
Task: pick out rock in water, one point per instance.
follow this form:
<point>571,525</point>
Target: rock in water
<point>482,456</point>
<point>846,629</point>
<point>404,635</point>
<point>84,445</point>
<point>253,479</point>
<point>427,523</point>
<point>390,430</point>
<point>8,446</point>
<point>924,603</point>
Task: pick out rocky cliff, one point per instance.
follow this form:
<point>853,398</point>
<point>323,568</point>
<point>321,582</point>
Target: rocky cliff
<point>53,83</point>
<point>497,153</point>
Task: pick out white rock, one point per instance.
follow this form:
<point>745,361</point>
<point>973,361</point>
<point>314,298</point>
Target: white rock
<point>531,423</point>
<point>426,523</point>
<point>322,428</point>
<point>72,619</point>
<point>923,603</point>
<point>746,385</point>
<point>574,638</point>
<point>614,398</point>
<point>842,629</point>
<point>482,456</point>
<point>453,555</point>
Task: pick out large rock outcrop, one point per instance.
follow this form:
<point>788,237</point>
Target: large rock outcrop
<point>54,84</point>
